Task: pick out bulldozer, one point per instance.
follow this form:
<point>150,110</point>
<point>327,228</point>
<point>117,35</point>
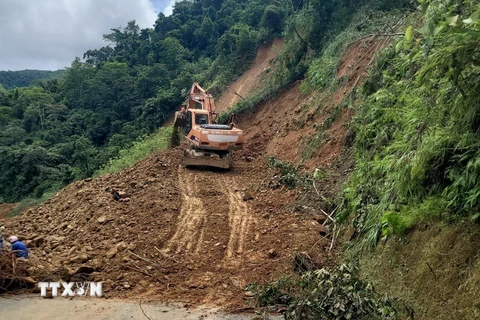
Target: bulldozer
<point>208,143</point>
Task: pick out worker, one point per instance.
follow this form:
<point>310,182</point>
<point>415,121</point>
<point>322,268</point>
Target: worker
<point>18,247</point>
<point>1,242</point>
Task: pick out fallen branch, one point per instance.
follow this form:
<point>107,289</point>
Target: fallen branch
<point>431,270</point>
<point>236,93</point>
<point>165,255</point>
<point>318,193</point>
<point>333,238</point>
<point>141,271</point>
<point>329,216</point>
<point>143,311</point>
<point>144,259</point>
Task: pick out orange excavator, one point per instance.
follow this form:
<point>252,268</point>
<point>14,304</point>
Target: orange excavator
<point>209,143</point>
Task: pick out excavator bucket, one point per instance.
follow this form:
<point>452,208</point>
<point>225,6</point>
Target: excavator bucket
<point>203,158</point>
<point>178,126</point>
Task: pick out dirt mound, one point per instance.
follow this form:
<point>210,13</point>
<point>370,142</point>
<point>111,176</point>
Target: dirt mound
<point>163,231</point>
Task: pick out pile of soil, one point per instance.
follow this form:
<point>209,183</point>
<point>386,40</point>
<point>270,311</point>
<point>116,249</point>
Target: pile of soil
<point>165,232</point>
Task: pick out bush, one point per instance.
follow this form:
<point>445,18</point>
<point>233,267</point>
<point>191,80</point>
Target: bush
<point>325,294</point>
<point>417,128</point>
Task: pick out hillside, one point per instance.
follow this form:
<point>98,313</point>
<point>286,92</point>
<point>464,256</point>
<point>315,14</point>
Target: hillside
<point>25,78</point>
<point>355,196</point>
<point>193,231</point>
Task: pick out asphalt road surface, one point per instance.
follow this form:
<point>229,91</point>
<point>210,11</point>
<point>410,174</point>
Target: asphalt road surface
<point>59,308</point>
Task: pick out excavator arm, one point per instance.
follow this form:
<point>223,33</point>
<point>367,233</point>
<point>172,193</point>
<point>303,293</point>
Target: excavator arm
<point>200,96</point>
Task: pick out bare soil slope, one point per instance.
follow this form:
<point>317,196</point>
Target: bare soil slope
<point>166,232</point>
<point>246,83</point>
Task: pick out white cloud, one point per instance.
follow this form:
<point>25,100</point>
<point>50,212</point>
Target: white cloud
<point>169,9</point>
<point>49,34</point>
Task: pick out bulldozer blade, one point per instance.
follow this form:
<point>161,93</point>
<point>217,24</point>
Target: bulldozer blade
<point>195,158</point>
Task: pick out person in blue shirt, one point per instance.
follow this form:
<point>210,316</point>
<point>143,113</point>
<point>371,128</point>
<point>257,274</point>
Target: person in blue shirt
<point>18,247</point>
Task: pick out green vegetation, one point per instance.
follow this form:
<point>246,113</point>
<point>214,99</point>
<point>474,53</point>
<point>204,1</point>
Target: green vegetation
<point>325,294</point>
<point>61,130</point>
<point>26,203</point>
<point>25,78</point>
<point>139,150</point>
<point>417,129</point>
<point>287,174</point>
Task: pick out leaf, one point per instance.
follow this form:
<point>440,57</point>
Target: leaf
<point>452,21</point>
<point>409,33</point>
<point>438,30</point>
<point>468,21</point>
<point>407,45</point>
<point>399,46</point>
<point>329,292</point>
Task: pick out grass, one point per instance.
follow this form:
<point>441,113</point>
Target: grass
<point>29,202</point>
<point>140,149</point>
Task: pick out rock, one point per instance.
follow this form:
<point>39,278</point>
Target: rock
<point>72,250</point>
<point>84,270</point>
<point>102,219</point>
<point>38,241</point>
<point>112,252</point>
<point>97,264</point>
<point>121,246</point>
<point>79,259</point>
<point>249,294</point>
<point>246,196</point>
<point>117,195</point>
<point>272,253</point>
<point>29,237</point>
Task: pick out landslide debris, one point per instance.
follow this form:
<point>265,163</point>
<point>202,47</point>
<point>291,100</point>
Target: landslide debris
<point>161,231</point>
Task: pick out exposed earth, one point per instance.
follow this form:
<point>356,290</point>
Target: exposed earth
<point>200,236</point>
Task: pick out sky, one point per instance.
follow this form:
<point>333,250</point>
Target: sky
<point>49,34</point>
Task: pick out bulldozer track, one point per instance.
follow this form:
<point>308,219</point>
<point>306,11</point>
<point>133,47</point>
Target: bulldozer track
<point>240,220</point>
<point>188,236</point>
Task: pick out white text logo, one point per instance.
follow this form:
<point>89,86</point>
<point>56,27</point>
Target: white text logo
<point>71,289</point>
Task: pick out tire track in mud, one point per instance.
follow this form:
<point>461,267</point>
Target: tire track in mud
<point>240,220</point>
<point>189,233</point>
<point>228,219</point>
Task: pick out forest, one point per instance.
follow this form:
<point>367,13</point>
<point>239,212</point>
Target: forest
<point>25,78</point>
<point>61,130</point>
